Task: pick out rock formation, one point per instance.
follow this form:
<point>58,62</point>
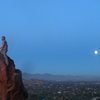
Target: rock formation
<point>11,85</point>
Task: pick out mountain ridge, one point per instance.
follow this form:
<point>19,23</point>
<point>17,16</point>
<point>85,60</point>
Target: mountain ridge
<point>52,77</point>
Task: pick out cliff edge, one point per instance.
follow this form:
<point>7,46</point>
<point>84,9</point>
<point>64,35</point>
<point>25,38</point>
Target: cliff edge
<point>11,85</point>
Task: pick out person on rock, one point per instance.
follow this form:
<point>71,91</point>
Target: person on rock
<point>4,49</point>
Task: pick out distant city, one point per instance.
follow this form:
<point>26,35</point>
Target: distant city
<point>44,87</point>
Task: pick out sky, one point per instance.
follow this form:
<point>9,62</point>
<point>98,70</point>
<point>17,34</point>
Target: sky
<point>52,36</point>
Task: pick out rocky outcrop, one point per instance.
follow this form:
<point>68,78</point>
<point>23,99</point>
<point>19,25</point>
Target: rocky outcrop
<point>11,85</point>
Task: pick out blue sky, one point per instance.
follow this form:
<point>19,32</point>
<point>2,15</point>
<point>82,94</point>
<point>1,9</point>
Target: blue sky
<point>52,36</point>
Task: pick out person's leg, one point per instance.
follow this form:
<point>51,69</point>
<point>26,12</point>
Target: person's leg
<point>5,57</point>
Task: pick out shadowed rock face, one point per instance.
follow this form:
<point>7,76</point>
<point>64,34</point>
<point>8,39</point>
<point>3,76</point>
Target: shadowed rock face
<point>11,85</point>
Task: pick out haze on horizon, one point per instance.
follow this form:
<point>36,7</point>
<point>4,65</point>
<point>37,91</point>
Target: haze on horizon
<point>52,36</point>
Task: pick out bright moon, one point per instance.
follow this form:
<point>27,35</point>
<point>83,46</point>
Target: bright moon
<point>96,52</point>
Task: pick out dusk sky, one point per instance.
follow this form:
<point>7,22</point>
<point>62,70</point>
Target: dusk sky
<point>52,36</point>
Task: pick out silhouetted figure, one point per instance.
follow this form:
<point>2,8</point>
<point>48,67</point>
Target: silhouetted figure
<point>4,49</point>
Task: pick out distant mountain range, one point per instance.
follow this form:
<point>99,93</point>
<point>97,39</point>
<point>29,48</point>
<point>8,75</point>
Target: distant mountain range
<point>50,77</point>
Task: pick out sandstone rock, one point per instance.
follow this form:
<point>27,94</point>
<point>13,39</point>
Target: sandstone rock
<point>11,85</point>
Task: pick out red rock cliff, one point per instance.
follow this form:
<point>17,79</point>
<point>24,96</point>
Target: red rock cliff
<point>11,85</point>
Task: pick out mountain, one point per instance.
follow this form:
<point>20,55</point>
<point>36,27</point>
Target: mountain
<point>33,82</point>
<point>50,77</point>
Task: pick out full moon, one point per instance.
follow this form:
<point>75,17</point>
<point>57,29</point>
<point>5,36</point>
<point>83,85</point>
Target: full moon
<point>96,52</point>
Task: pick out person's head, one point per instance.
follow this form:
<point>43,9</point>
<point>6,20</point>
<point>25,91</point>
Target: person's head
<point>3,38</point>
